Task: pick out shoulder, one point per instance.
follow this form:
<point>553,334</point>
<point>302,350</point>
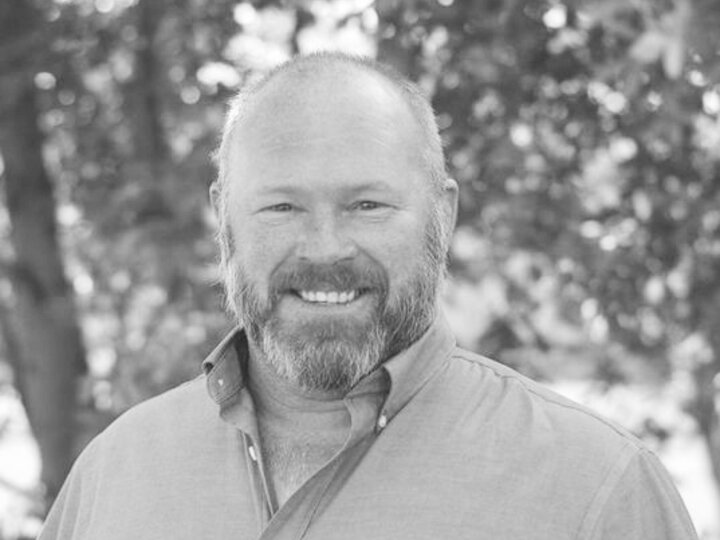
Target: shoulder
<point>536,437</point>
<point>116,462</point>
<point>176,402</point>
<point>514,385</point>
<point>175,418</point>
<point>496,398</point>
<point>180,406</point>
<point>153,439</point>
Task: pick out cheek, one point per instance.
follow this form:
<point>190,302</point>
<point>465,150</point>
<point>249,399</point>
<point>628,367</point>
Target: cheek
<point>398,249</point>
<point>259,250</point>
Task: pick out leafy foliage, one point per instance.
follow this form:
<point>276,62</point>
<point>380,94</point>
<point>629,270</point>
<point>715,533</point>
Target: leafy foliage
<point>585,137</point>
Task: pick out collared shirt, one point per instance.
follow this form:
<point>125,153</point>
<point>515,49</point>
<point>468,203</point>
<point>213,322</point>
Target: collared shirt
<point>443,444</point>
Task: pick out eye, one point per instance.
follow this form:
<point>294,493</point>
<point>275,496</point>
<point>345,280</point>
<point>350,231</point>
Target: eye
<point>367,205</point>
<point>280,208</point>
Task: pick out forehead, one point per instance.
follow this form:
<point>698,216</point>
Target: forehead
<point>332,91</point>
<point>350,121</point>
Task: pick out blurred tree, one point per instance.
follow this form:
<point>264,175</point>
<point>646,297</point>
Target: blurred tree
<point>584,136</point>
<point>39,319</point>
<point>136,129</point>
<point>585,139</point>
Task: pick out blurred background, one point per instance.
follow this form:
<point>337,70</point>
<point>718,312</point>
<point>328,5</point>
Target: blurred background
<point>585,136</point>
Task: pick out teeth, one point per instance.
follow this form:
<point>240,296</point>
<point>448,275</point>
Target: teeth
<point>331,297</point>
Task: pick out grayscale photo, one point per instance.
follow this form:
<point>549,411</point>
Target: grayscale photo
<point>359,269</point>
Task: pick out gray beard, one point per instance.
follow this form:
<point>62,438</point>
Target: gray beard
<point>334,357</point>
<point>313,362</point>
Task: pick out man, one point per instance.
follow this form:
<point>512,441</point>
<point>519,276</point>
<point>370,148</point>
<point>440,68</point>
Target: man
<point>342,409</point>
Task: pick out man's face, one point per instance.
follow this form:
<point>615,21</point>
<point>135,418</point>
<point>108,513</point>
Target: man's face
<point>335,258</point>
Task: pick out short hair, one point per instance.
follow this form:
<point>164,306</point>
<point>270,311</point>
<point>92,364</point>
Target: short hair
<point>419,105</point>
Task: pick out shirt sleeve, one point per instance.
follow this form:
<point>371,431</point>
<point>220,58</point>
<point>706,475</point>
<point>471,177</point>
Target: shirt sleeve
<point>643,504</point>
<point>73,504</point>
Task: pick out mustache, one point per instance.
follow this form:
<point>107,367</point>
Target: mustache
<point>336,276</point>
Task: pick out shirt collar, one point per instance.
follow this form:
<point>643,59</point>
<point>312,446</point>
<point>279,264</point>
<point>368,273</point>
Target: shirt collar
<point>224,366</point>
<point>408,371</point>
<point>412,368</point>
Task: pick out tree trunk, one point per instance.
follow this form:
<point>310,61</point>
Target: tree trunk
<point>47,339</point>
<point>145,90</point>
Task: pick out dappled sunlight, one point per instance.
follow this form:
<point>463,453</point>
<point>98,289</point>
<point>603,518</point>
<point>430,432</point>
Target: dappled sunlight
<point>20,498</point>
<point>584,137</point>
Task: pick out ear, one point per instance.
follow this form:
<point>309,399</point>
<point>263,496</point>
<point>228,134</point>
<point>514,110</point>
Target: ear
<point>215,198</point>
<point>450,197</point>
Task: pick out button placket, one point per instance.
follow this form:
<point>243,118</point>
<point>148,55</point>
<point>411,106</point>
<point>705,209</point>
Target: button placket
<point>261,494</point>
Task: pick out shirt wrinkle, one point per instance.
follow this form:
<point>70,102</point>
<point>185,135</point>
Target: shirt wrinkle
<point>549,398</point>
<point>470,457</point>
<point>600,500</point>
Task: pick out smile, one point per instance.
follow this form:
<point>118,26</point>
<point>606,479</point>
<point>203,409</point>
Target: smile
<point>328,297</point>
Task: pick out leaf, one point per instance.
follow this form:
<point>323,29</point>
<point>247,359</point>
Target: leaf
<point>649,47</point>
<point>673,58</point>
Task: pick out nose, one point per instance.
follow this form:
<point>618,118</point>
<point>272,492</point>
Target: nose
<point>324,238</point>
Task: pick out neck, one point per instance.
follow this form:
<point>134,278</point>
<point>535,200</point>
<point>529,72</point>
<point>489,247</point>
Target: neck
<point>281,401</point>
<point>299,430</point>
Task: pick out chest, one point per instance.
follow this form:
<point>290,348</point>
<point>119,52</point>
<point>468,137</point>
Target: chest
<point>289,461</point>
<point>389,490</point>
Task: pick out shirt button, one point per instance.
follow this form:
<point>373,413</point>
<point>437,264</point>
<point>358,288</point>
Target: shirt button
<point>251,451</point>
<point>382,421</point>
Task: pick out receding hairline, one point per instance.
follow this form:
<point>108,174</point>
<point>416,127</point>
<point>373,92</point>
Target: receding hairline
<point>312,66</point>
<point>330,62</point>
<point>303,94</point>
<point>327,63</point>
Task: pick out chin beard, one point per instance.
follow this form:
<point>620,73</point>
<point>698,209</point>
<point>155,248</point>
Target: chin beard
<point>334,357</point>
<point>320,359</point>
